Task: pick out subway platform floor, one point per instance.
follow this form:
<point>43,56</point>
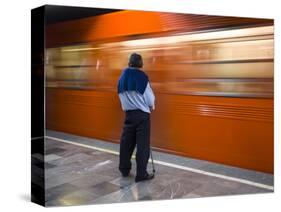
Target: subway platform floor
<point>80,170</point>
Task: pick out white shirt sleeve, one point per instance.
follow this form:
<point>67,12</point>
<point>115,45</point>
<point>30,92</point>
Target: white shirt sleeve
<point>149,96</point>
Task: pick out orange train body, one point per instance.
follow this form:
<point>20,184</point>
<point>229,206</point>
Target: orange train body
<point>214,90</point>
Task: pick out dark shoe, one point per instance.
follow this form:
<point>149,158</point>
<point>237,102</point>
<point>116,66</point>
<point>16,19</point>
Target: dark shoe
<point>147,177</point>
<point>125,174</point>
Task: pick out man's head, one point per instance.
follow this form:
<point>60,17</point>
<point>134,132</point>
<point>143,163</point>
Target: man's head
<point>135,61</point>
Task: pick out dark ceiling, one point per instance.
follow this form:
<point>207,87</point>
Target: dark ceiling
<point>55,14</point>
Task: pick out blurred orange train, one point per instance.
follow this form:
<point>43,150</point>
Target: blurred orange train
<point>212,77</point>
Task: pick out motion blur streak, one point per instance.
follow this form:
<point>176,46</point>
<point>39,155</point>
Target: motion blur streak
<point>213,79</point>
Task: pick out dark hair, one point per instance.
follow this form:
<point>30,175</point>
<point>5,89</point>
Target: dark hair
<point>135,61</point>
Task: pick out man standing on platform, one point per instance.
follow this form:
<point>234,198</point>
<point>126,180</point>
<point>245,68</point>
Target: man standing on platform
<point>137,100</point>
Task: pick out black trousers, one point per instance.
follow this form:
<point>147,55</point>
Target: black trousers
<point>136,132</point>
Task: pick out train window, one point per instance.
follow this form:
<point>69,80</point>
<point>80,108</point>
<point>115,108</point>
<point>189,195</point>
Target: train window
<point>74,66</point>
<point>227,63</point>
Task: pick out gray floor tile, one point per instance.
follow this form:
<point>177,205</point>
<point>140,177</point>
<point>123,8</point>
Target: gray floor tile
<point>90,180</point>
<point>123,182</point>
<point>54,150</point>
<point>51,157</point>
<point>79,157</point>
<point>103,188</point>
<point>61,190</point>
<point>77,175</point>
<point>49,166</point>
<point>231,171</point>
<point>79,197</point>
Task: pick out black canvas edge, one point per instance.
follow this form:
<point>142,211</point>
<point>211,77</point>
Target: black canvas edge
<point>37,105</point>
